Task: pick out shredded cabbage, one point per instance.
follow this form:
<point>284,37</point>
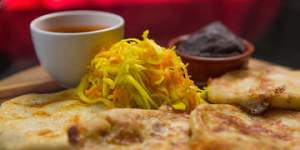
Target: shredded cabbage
<point>141,74</point>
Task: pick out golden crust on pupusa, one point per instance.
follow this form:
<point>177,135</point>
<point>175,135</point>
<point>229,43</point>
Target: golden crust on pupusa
<point>227,127</point>
<point>257,89</point>
<point>61,121</point>
<point>133,129</point>
<point>41,121</point>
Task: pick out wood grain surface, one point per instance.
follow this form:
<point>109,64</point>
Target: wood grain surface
<point>34,79</point>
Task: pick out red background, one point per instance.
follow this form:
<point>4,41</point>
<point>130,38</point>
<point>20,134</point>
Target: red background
<point>164,18</point>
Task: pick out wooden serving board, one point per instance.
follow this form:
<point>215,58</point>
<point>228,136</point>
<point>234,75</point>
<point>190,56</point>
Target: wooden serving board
<point>34,79</point>
<point>37,80</point>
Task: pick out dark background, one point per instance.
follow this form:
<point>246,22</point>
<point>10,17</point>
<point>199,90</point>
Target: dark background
<point>272,25</point>
<point>281,43</point>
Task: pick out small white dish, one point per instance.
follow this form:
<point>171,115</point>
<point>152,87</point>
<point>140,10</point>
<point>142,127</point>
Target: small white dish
<point>66,55</point>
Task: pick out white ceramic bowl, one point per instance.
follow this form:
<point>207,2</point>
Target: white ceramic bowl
<point>66,55</point>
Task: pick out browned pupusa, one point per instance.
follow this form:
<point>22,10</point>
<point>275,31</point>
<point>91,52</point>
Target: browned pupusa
<point>61,121</point>
<point>227,127</point>
<point>257,89</point>
<point>41,121</point>
<point>134,129</point>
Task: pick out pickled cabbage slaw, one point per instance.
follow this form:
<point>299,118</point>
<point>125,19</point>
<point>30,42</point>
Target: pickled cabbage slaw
<point>140,74</point>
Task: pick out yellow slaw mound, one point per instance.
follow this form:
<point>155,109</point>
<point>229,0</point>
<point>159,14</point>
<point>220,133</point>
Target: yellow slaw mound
<point>139,74</point>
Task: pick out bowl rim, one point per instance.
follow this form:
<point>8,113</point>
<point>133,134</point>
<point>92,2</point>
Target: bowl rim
<point>249,49</point>
<point>34,24</point>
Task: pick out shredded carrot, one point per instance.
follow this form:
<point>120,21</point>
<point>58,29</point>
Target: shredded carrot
<point>139,73</point>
